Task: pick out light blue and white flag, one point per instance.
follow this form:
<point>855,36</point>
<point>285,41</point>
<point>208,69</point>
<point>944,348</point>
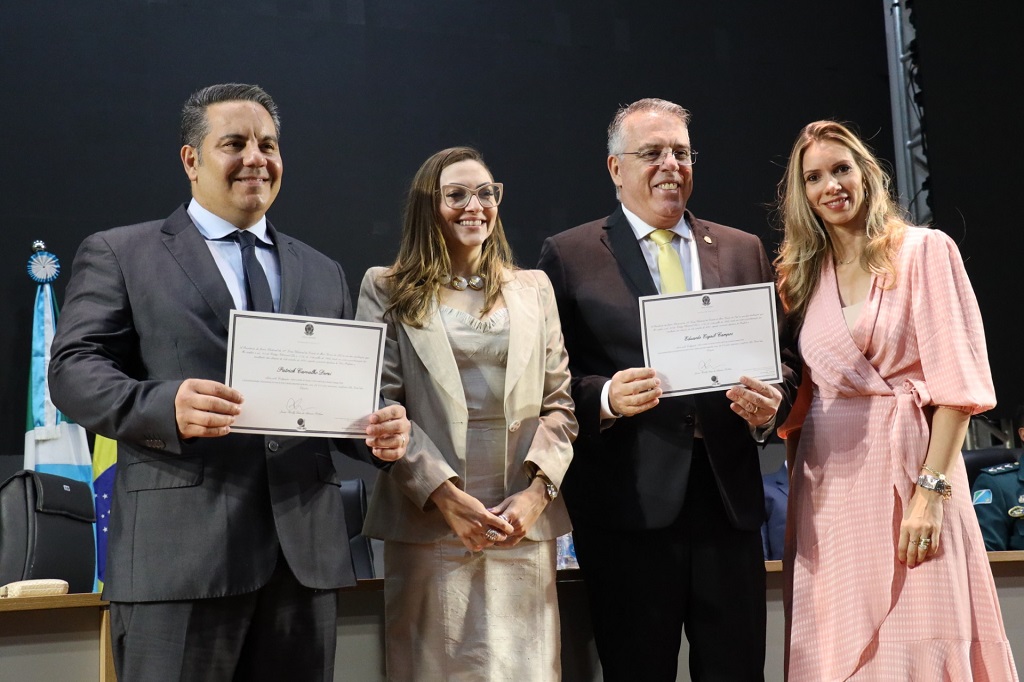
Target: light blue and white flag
<point>53,444</point>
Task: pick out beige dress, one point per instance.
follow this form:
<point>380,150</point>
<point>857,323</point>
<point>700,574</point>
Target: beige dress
<point>452,614</point>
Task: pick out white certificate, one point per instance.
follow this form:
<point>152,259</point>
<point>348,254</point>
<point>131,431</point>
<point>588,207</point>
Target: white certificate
<point>304,376</point>
<point>706,340</point>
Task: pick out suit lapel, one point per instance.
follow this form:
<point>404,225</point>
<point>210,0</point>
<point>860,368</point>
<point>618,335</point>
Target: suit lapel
<point>435,352</point>
<point>707,252</point>
<point>524,327</point>
<point>188,247</point>
<point>291,270</point>
<point>621,241</point>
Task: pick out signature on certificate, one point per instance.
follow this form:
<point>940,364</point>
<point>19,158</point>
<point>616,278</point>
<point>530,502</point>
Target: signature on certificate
<point>708,366</point>
<point>297,406</point>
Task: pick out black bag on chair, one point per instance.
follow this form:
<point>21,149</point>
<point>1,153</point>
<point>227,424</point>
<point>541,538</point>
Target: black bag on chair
<point>46,530</point>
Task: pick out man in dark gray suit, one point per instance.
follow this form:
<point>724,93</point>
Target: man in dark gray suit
<point>225,549</point>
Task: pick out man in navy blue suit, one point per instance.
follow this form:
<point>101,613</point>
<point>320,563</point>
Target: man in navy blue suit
<point>776,498</point>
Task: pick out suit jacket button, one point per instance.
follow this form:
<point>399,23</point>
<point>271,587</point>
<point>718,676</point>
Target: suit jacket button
<point>514,426</point>
<point>273,446</point>
<point>688,420</point>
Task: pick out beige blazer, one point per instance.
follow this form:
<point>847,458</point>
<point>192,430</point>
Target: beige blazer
<point>421,374</point>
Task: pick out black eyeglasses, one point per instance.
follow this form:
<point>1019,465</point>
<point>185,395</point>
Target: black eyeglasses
<point>458,196</point>
<point>655,157</point>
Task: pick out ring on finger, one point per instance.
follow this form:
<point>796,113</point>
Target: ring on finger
<point>491,534</point>
<point>402,439</point>
<point>754,409</point>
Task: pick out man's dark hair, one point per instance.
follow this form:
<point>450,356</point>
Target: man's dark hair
<point>1018,418</point>
<point>194,124</point>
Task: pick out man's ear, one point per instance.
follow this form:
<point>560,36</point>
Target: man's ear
<point>613,170</point>
<point>190,160</point>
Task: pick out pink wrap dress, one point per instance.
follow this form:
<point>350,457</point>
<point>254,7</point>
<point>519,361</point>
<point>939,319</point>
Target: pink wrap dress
<point>855,611</point>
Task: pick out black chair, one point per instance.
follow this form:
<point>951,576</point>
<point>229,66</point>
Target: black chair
<point>10,465</point>
<point>46,530</point>
<point>353,496</point>
<point>976,460</point>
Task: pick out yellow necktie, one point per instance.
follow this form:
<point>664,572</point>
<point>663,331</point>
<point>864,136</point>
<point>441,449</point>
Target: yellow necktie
<point>669,267</point>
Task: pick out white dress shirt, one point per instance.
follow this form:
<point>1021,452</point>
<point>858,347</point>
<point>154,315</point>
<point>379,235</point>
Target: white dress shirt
<point>228,255</point>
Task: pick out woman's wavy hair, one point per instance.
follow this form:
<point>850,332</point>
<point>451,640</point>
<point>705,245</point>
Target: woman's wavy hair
<point>806,242</point>
<point>423,254</point>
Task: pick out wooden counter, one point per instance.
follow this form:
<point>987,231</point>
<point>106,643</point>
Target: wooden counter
<point>67,637</point>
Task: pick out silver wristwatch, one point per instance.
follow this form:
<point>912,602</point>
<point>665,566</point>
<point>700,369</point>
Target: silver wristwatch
<point>549,488</point>
<point>938,484</point>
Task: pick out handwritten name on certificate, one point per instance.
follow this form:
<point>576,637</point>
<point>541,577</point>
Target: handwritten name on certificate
<point>706,340</point>
<point>304,376</point>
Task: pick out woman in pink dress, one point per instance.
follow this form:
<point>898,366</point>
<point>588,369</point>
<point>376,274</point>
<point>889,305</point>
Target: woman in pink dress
<point>887,572</point>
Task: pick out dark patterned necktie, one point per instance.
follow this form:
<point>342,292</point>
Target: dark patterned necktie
<point>256,285</point>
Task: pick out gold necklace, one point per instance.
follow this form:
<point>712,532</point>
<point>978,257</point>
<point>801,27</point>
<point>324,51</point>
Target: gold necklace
<point>847,262</point>
<point>459,283</point>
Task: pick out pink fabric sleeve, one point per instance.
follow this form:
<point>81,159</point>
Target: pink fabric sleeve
<point>950,333</point>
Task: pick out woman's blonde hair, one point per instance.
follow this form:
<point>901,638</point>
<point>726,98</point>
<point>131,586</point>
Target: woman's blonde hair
<point>806,242</point>
<point>423,254</point>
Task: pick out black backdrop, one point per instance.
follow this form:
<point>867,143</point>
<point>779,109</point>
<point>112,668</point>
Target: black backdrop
<point>369,88</point>
<point>972,71</point>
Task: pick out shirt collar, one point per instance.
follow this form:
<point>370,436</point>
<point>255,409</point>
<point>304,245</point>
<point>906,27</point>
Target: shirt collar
<point>212,226</point>
<point>642,229</point>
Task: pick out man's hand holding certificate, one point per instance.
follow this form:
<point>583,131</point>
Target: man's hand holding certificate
<point>305,376</point>
<point>706,340</point>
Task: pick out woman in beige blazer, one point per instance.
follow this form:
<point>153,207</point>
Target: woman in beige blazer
<point>470,515</point>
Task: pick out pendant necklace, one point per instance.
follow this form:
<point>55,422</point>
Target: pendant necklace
<point>459,283</point>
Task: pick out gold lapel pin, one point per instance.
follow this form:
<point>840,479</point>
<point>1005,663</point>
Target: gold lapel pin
<point>708,239</point>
